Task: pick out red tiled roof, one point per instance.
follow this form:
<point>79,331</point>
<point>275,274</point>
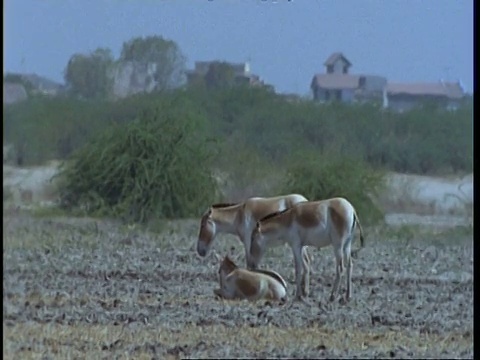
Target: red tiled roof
<point>336,81</point>
<point>451,90</point>
<point>334,57</point>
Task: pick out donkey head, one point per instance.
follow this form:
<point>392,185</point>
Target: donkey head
<point>206,234</point>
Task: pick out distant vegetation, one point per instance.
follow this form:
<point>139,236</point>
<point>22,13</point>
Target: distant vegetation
<point>327,175</point>
<point>156,165</point>
<point>90,76</point>
<point>18,79</point>
<point>319,150</point>
<point>125,158</point>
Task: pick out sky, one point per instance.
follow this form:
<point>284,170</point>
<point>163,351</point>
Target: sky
<point>286,42</point>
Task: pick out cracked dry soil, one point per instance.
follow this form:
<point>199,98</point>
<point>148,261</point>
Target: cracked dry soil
<point>78,288</point>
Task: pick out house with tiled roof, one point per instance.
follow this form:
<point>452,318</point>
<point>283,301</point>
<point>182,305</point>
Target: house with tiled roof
<point>337,84</point>
<point>405,96</point>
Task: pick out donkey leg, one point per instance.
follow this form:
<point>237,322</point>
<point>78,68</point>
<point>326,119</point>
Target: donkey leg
<point>222,294</point>
<point>247,255</point>
<point>297,256</point>
<point>218,292</point>
<point>339,271</point>
<point>306,272</point>
<point>348,259</point>
<point>246,243</point>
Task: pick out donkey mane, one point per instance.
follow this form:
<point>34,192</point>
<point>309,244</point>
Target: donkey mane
<point>269,216</point>
<point>222,205</point>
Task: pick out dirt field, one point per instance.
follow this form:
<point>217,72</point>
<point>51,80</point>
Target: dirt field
<point>79,288</point>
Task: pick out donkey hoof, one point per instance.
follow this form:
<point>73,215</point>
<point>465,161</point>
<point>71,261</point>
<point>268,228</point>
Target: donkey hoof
<point>301,299</point>
<point>332,298</point>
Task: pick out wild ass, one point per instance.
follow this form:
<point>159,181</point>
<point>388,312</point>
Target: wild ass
<point>237,283</point>
<point>313,223</point>
<point>240,219</point>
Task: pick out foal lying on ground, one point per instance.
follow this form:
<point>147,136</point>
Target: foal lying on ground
<point>236,283</point>
<point>240,219</point>
<point>313,223</point>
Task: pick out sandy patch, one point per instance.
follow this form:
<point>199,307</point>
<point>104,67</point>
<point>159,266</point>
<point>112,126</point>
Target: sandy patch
<point>25,187</point>
<point>409,199</point>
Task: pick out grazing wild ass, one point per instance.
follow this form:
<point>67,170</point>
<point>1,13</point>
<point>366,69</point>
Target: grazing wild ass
<point>240,219</point>
<point>313,223</point>
<point>239,284</point>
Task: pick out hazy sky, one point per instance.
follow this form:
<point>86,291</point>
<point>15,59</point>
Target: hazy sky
<point>286,42</point>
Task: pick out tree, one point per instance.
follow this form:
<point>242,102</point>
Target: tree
<point>158,165</point>
<point>88,76</point>
<point>165,54</point>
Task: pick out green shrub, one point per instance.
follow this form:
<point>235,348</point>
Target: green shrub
<point>158,165</point>
<point>243,171</point>
<point>44,128</point>
<point>322,176</point>
<point>426,140</point>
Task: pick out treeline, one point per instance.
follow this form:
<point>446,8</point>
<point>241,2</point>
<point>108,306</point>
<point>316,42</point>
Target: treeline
<point>171,153</point>
<point>427,140</point>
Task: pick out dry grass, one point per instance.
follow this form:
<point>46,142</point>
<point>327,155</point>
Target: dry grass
<point>97,341</point>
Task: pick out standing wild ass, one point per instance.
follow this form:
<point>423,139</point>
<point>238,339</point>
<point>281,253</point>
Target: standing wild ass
<point>237,283</point>
<point>240,219</point>
<point>313,223</point>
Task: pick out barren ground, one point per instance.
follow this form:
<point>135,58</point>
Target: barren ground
<point>80,288</point>
<point>84,288</point>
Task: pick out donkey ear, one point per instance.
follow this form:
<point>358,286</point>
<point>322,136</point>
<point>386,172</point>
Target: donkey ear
<point>218,257</point>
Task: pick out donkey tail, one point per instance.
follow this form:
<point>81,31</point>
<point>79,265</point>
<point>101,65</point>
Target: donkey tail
<point>356,221</point>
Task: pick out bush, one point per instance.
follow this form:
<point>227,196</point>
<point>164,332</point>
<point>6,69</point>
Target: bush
<point>243,171</point>
<point>329,175</point>
<point>43,128</point>
<point>426,140</point>
<point>158,165</point>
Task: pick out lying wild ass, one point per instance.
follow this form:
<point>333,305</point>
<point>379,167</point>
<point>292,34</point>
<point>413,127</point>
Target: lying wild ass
<point>313,223</point>
<point>236,283</point>
<point>240,219</point>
